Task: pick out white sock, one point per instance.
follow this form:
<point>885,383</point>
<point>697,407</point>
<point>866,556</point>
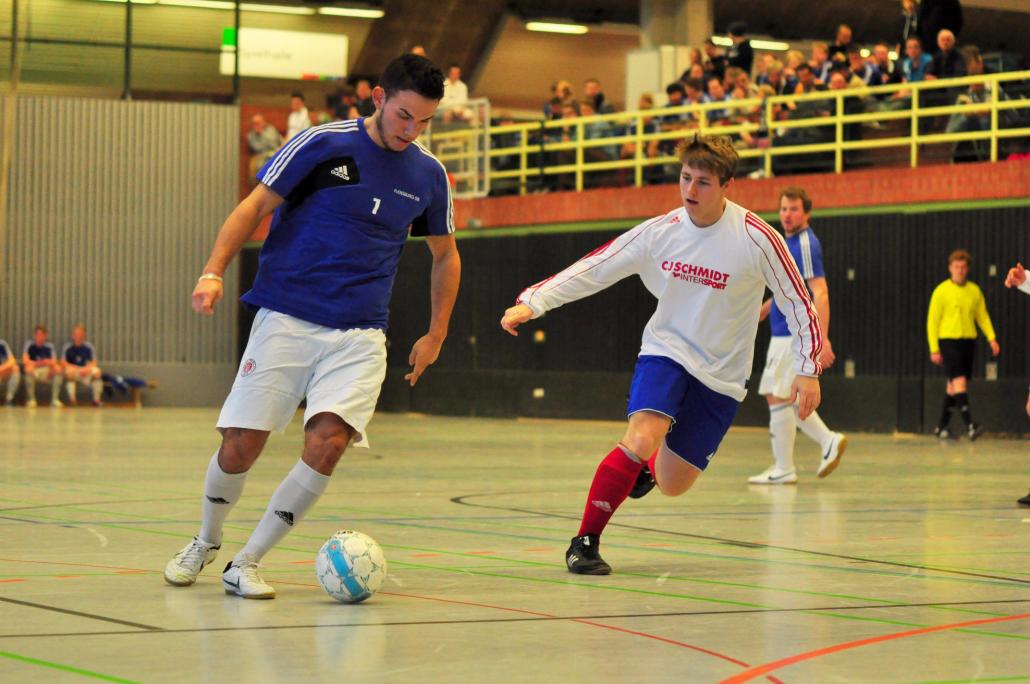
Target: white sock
<point>12,385</point>
<point>782,429</point>
<point>221,492</point>
<point>98,389</point>
<point>815,429</point>
<point>69,388</point>
<point>55,388</point>
<point>287,507</point>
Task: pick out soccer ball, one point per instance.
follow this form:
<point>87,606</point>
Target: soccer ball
<point>350,566</point>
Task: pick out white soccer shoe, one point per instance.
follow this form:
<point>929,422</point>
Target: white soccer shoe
<point>241,578</point>
<point>772,476</point>
<point>831,457</point>
<point>184,567</point>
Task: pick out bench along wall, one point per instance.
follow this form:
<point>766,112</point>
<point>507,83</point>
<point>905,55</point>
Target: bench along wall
<point>112,209</point>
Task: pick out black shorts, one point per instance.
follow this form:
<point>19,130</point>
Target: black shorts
<point>958,357</point>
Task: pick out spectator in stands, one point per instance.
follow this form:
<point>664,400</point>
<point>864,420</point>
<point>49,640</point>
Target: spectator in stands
<point>917,65</point>
<point>820,62</point>
<point>762,68</point>
<point>649,125</point>
<point>910,25</point>
<point>9,372</point>
<point>562,92</point>
<point>418,50</point>
<point>263,139</point>
<point>839,80</point>
<point>841,47</point>
<point>363,91</point>
<point>715,60</point>
<point>935,15</point>
<point>345,101</point>
<point>299,119</point>
<point>887,70</point>
<point>455,92</point>
<point>977,120</point>
<point>744,88</point>
<point>553,109</point>
<point>729,79</point>
<point>597,130</point>
<point>79,360</point>
<point>716,93</point>
<point>696,72</point>
<point>947,63</point>
<point>39,358</point>
<point>777,80</point>
<point>740,53</point>
<point>593,94</point>
<point>861,70</point>
<point>794,59</point>
<point>695,95</point>
<point>807,81</point>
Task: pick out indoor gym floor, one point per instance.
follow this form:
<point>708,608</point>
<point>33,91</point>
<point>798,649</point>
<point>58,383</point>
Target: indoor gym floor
<point>908,564</point>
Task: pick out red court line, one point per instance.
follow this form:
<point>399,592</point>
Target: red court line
<point>760,670</point>
<point>8,581</point>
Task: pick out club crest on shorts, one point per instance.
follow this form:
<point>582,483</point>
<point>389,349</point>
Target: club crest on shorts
<point>248,367</point>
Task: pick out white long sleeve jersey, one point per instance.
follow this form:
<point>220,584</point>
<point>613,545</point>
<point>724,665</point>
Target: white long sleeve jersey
<point>709,283</point>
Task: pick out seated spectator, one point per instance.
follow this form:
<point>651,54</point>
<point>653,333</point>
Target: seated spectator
<point>648,123</point>
<point>695,95</point>
<point>696,72</point>
<point>593,94</point>
<point>762,68</point>
<point>820,61</point>
<point>455,92</point>
<point>9,372</point>
<point>740,54</point>
<point>807,82</point>
<point>552,112</point>
<point>852,105</point>
<point>714,60</point>
<point>794,59</point>
<point>729,79</point>
<point>887,71</point>
<point>917,65</point>
<point>841,47</point>
<point>363,92</point>
<point>263,139</point>
<point>947,63</point>
<point>777,80</point>
<point>561,91</point>
<point>716,93</point>
<point>39,358</point>
<point>864,72</point>
<point>977,120</point>
<point>299,120</point>
<point>344,102</point>
<point>935,15</point>
<point>80,365</point>
<point>744,89</point>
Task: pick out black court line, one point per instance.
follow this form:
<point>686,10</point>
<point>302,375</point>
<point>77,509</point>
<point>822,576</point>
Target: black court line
<point>95,503</point>
<point>91,616</point>
<point>535,618</point>
<point>460,500</point>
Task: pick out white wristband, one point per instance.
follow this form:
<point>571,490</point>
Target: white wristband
<point>210,276</point>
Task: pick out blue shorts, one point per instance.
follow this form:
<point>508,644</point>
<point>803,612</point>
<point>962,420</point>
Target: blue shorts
<point>700,416</point>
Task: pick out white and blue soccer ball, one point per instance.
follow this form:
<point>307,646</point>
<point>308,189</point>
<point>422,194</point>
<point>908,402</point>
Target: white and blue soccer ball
<point>350,566</point>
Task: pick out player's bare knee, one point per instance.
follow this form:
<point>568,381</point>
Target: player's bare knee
<point>326,437</point>
<point>240,448</point>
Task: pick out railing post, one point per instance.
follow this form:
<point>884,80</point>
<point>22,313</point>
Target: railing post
<point>579,155</point>
<point>772,135</point>
<point>914,131</point>
<point>838,154</point>
<point>638,168</point>
<point>995,96</point>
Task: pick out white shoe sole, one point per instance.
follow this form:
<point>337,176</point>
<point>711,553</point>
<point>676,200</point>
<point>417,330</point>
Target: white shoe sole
<point>832,465</point>
<point>793,480</point>
<point>232,591</point>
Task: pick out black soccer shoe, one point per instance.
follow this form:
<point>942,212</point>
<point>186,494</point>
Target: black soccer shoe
<point>644,484</point>
<point>1025,501</point>
<point>584,556</point>
<point>974,430</point>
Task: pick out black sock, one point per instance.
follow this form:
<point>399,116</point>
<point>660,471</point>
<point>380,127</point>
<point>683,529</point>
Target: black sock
<point>962,402</point>
<point>945,420</point>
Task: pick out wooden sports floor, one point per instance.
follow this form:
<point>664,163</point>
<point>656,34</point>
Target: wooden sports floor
<point>911,563</point>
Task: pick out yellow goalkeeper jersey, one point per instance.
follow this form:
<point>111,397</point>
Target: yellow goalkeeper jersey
<point>953,310</point>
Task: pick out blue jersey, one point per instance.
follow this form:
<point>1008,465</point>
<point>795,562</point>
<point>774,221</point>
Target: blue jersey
<point>78,355</point>
<point>37,352</point>
<point>332,249</point>
<point>5,351</point>
<point>808,254</point>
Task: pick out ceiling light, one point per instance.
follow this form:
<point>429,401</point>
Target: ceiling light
<point>134,2</point>
<point>555,27</point>
<point>275,9</point>
<point>722,41</point>
<point>202,4</point>
<point>352,12</point>
<point>769,45</point>
<point>864,52</point>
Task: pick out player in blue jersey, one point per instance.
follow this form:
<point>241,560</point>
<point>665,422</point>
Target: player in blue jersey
<point>9,372</point>
<point>39,359</point>
<point>795,209</point>
<point>79,360</point>
<point>345,196</point>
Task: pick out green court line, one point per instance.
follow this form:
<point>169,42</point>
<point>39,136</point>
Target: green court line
<point>978,680</point>
<point>65,668</point>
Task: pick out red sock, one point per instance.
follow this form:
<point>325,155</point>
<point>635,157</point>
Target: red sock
<point>650,461</point>
<point>612,482</point>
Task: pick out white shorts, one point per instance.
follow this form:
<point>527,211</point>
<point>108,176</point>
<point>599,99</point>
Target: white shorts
<point>778,376</point>
<point>80,374</point>
<point>288,359</point>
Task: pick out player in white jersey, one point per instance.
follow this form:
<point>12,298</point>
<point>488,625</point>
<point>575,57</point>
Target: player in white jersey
<point>1017,278</point>
<point>708,263</point>
<point>795,209</point>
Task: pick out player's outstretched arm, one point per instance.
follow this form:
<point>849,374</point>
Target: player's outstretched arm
<point>235,232</point>
<point>444,280</point>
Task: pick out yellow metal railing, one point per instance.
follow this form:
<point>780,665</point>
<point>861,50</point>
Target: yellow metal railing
<point>559,147</point>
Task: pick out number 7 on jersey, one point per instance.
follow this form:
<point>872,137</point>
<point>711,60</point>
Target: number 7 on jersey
<point>375,205</point>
